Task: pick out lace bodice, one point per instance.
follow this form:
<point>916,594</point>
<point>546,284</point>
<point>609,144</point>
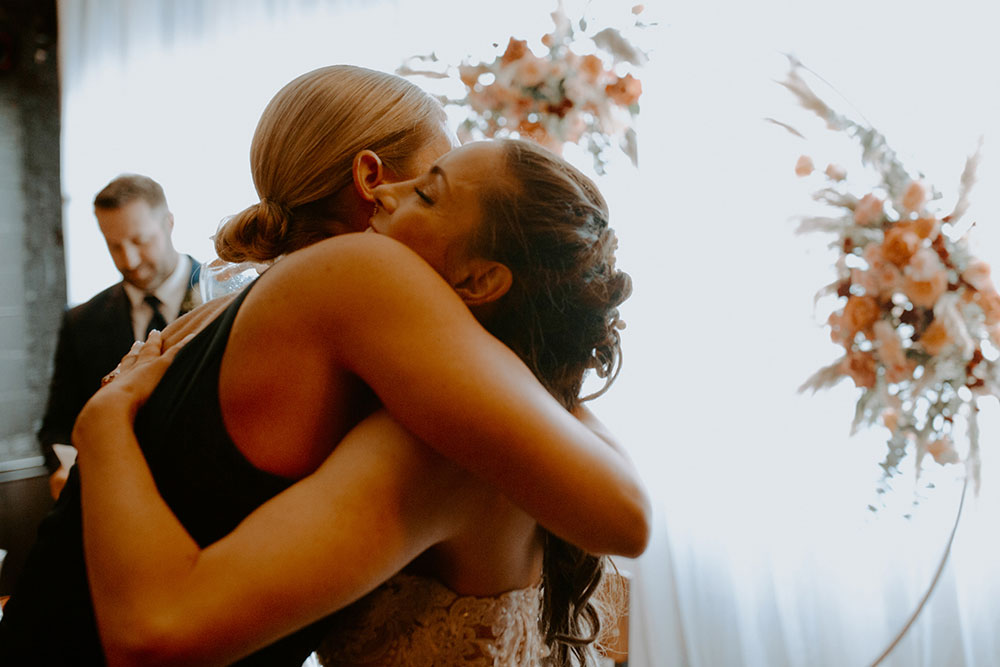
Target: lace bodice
<point>416,621</point>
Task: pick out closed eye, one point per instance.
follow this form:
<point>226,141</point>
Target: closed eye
<point>423,196</point>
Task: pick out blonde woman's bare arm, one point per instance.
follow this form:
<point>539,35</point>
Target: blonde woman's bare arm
<point>377,502</point>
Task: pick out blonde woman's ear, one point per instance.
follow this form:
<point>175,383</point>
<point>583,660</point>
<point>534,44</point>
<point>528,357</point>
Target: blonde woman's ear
<point>368,172</point>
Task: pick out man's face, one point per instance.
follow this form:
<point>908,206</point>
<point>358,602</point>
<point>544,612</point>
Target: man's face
<point>138,239</point>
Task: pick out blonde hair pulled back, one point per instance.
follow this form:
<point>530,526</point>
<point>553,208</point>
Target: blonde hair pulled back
<point>303,148</point>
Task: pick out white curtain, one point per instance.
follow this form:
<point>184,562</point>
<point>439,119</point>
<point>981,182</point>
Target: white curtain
<point>764,552</point>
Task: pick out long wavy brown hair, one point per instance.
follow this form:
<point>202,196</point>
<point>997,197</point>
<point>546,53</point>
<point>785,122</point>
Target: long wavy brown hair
<point>548,223</point>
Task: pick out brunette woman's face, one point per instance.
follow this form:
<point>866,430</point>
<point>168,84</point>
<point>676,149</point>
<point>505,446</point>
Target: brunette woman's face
<point>353,207</point>
<point>437,213</point>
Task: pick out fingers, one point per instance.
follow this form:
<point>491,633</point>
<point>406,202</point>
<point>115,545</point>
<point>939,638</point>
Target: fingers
<point>151,348</point>
<point>129,359</point>
<point>172,351</point>
<point>146,353</point>
<point>153,340</point>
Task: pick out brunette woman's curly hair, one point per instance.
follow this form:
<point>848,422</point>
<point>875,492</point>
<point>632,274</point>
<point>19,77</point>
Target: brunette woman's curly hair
<point>548,223</point>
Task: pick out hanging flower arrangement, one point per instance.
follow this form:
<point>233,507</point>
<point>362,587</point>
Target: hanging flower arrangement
<point>917,316</point>
<point>583,90</point>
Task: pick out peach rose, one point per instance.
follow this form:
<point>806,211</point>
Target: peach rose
<point>890,349</point>
<point>860,313</point>
<point>925,293</point>
<point>899,372</point>
<point>883,276</point>
<point>839,331</point>
<point>861,367</point>
<point>924,264</point>
<point>469,74</point>
<point>900,243</point>
<point>868,210</point>
<point>989,301</point>
<point>977,274</point>
<point>530,71</point>
<point>943,451</point>
<point>935,337</point>
<point>501,95</point>
<point>592,67</point>
<point>804,166</point>
<point>926,228</point>
<point>889,279</point>
<point>835,172</point>
<point>516,48</point>
<point>480,99</point>
<point>873,254</point>
<point>866,280</point>
<point>540,135</point>
<point>914,197</point>
<point>625,91</point>
<point>637,9</point>
<point>548,39</point>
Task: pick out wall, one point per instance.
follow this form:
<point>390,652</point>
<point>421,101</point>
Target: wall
<point>32,267</point>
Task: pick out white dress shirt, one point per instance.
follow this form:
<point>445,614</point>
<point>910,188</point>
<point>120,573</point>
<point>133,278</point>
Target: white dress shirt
<point>170,293</point>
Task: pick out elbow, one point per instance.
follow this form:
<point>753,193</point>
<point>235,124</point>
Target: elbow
<point>147,642</point>
<point>638,527</point>
<point>632,526</point>
<point>623,531</point>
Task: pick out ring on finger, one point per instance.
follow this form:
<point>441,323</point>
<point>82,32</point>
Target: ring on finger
<point>111,376</point>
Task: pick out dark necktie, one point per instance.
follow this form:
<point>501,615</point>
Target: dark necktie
<point>157,322</point>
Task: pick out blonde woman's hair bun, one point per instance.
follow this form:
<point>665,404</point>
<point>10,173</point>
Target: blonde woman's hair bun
<point>255,234</point>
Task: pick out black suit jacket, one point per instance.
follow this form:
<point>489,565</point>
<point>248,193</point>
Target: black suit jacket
<point>93,337</point>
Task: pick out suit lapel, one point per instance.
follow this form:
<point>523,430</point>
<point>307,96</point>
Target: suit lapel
<point>110,335</point>
<point>192,297</point>
<point>121,336</point>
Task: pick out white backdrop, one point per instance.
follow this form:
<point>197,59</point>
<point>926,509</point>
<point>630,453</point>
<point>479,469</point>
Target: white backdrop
<point>764,552</point>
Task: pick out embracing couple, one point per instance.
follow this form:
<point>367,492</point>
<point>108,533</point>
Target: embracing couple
<point>377,450</point>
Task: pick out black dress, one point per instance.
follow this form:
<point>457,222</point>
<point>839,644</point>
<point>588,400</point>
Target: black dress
<point>204,479</point>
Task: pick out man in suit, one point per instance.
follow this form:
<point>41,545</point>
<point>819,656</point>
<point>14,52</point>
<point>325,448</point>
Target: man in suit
<point>158,285</point>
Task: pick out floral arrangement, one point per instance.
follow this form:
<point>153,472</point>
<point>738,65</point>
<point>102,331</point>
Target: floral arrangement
<point>564,96</point>
<point>917,315</point>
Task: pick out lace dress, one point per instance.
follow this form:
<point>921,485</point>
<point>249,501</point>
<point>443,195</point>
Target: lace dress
<point>414,621</point>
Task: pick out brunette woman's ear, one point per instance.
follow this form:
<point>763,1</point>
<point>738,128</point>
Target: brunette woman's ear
<point>484,281</point>
<point>368,172</point>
